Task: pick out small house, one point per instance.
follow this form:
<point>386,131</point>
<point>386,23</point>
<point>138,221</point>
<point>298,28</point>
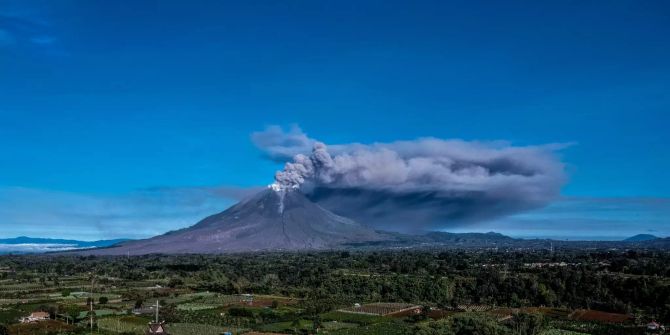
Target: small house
<point>35,317</point>
<point>654,327</point>
<point>156,328</point>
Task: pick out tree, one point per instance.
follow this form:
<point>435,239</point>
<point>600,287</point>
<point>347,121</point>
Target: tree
<point>71,312</point>
<point>316,324</point>
<point>440,327</point>
<point>175,282</point>
<point>528,323</point>
<point>295,324</point>
<point>103,300</point>
<point>476,325</point>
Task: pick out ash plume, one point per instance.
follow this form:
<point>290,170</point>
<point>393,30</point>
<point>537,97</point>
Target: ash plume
<point>418,185</point>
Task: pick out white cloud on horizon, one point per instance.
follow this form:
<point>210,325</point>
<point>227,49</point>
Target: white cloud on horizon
<point>139,214</point>
<point>35,248</point>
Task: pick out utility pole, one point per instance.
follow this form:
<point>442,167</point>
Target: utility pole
<point>91,314</point>
<point>91,309</point>
<point>157,311</point>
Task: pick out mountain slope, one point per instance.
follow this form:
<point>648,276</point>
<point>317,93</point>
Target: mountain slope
<point>270,220</point>
<point>641,238</point>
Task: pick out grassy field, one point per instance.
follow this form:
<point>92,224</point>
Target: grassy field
<point>560,332</point>
<point>384,328</point>
<point>196,329</point>
<point>194,306</point>
<point>334,325</point>
<point>124,324</point>
<point>288,326</point>
<point>362,319</point>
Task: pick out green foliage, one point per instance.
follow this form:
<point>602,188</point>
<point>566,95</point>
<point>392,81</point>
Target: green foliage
<point>463,324</point>
<point>126,324</point>
<point>195,329</point>
<point>362,319</point>
<point>194,306</point>
<point>307,289</point>
<point>384,328</point>
<point>289,326</point>
<point>560,332</point>
<point>528,323</point>
<point>241,312</point>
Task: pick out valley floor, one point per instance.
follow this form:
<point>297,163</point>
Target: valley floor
<point>402,292</point>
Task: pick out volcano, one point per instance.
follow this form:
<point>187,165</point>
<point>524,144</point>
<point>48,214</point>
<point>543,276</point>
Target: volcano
<point>272,220</point>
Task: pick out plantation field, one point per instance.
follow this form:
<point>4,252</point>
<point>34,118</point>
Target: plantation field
<point>100,313</point>
<point>380,308</point>
<point>196,329</point>
<point>288,326</point>
<point>560,332</point>
<point>591,315</point>
<point>124,324</point>
<point>554,313</point>
<point>385,328</point>
<point>194,306</point>
<point>334,325</point>
<point>362,319</point>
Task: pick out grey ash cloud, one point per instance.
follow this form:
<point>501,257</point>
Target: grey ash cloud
<point>282,146</point>
<point>417,185</point>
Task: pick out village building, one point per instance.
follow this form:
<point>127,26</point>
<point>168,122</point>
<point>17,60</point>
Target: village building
<point>35,317</point>
<point>247,298</point>
<point>654,328</point>
<point>157,327</point>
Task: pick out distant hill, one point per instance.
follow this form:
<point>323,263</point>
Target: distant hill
<point>25,244</point>
<point>659,243</point>
<point>641,238</point>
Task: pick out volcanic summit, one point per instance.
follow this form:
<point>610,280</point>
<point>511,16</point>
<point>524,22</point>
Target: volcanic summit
<point>274,219</point>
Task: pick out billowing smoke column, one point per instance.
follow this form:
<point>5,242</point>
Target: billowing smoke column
<point>304,168</point>
<point>418,185</point>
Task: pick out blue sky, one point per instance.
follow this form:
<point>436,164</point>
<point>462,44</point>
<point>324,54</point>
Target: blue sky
<point>103,103</point>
